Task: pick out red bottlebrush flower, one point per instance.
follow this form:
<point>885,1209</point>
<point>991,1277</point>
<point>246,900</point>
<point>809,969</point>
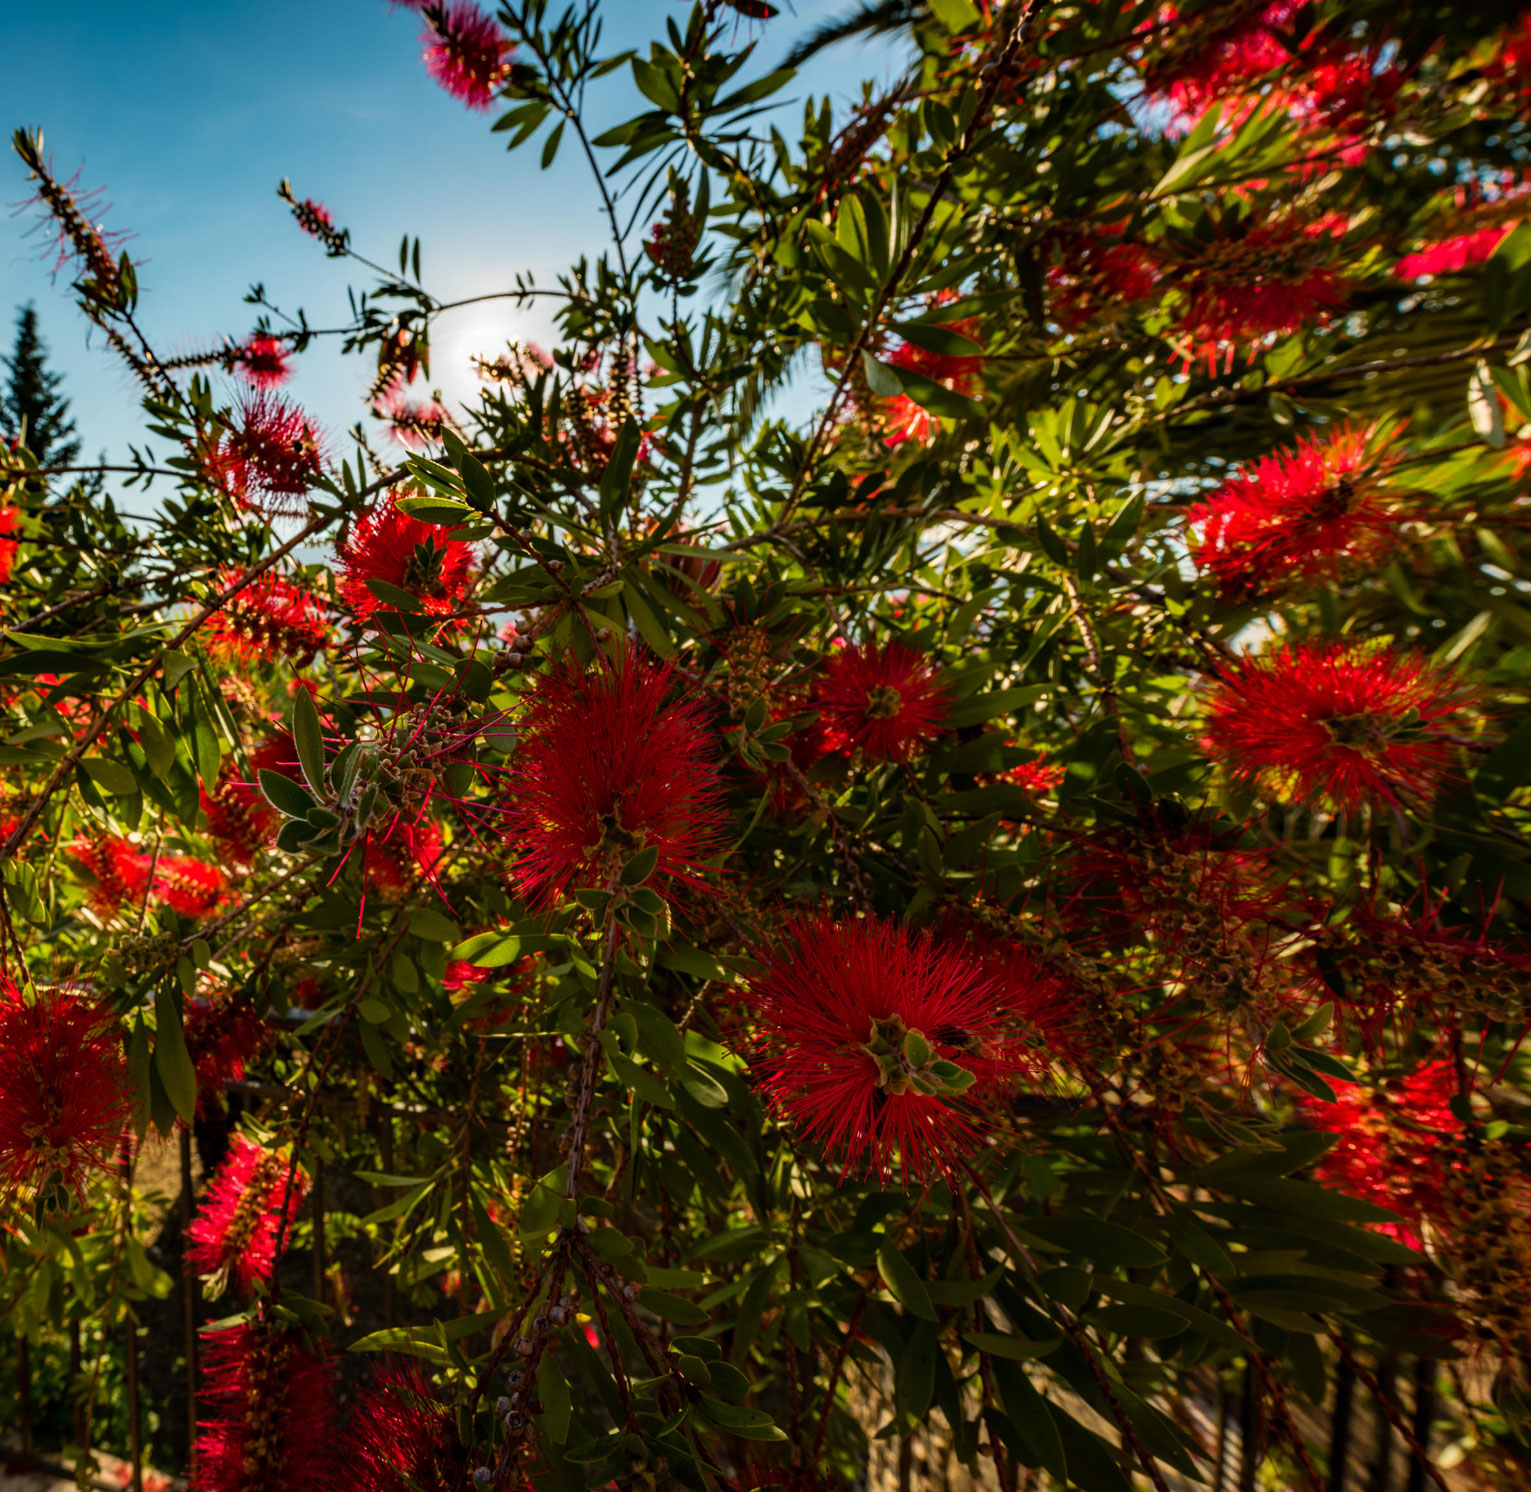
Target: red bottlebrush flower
<point>269,458</point>
<point>879,1042</point>
<point>1218,51</point>
<point>188,886</point>
<point>7,544</point>
<point>1098,275</point>
<point>238,815</point>
<point>233,1236</point>
<point>1511,68</point>
<point>1275,277</point>
<point>1341,89</point>
<point>222,1035</point>
<point>1040,1004</point>
<point>314,218</point>
<point>263,359</point>
<point>1326,724</point>
<point>1454,255</point>
<point>389,546</point>
<point>465,51</point>
<point>1036,777</point>
<point>1304,514</point>
<point>884,700</point>
<point>401,1438</point>
<point>610,765</point>
<point>414,423</point>
<point>959,372</point>
<point>1393,1142</point>
<point>270,617</point>
<point>401,354</point>
<point>119,869</point>
<point>268,1420</point>
<point>64,1094</point>
<point>398,859</point>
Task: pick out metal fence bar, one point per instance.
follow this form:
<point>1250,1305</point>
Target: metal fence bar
<point>135,1414</point>
<point>1340,1423</point>
<point>188,1305</point>
<point>1424,1417</point>
<point>1382,1468</point>
<point>24,1392</point>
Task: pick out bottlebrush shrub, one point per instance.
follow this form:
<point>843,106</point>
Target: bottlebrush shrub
<point>955,908</point>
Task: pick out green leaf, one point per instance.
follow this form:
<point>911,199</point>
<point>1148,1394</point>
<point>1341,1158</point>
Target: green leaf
<point>1143,1321</point>
<point>308,736</point>
<point>672,1308</point>
<point>176,666</point>
<point>557,1403</point>
<point>748,1424</point>
<point>444,511</point>
<point>904,1283</point>
<point>110,776</point>
<point>617,477</point>
<point>413,1341</point>
<point>752,93</point>
<point>490,950</point>
<point>433,926</point>
<point>1017,1349</point>
<point>881,379</point>
<point>1094,1238</point>
<point>284,795</point>
<point>954,15</point>
<point>171,1059</point>
<point>550,145</point>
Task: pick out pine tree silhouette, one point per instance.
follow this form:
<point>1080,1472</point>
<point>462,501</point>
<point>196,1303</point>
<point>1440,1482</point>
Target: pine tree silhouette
<point>31,398</point>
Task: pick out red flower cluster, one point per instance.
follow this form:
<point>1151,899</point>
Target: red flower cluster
<point>1303,514</point>
<point>269,458</point>
<point>960,372</point>
<point>401,1438</point>
<point>270,617</point>
<point>1335,726</point>
<point>1391,1144</point>
<point>187,885</point>
<point>269,1419</point>
<point>118,869</point>
<point>880,1043</point>
<point>1036,777</point>
<point>238,815</point>
<point>64,1094</point>
<point>1268,278</point>
<point>233,1237</point>
<point>124,875</point>
<point>465,50</point>
<point>1452,255</point>
<point>264,360</point>
<point>389,546</point>
<point>222,1035</point>
<point>1218,51</point>
<point>396,859</point>
<point>1098,274</point>
<point>1042,1007</point>
<point>885,700</point>
<point>609,764</point>
<point>414,423</point>
<point>7,545</point>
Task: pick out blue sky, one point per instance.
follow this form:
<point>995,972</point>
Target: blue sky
<point>189,114</point>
